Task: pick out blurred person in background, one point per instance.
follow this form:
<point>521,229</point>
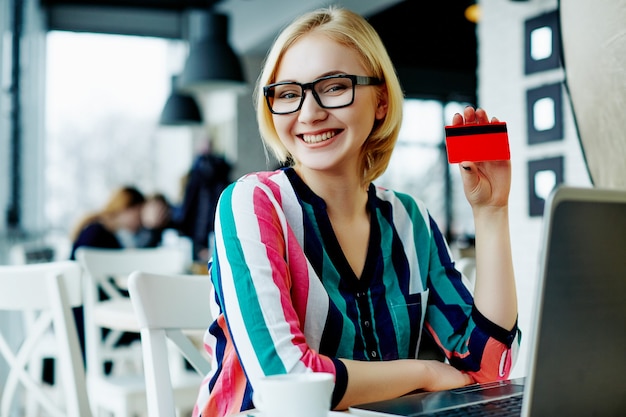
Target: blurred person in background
<point>207,178</point>
<point>111,226</point>
<point>156,217</point>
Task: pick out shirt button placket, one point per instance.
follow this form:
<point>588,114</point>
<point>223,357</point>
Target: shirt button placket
<point>366,324</point>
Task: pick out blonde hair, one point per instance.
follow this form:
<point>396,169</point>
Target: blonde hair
<point>121,199</point>
<point>352,30</point>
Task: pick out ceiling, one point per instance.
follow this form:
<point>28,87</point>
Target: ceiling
<point>432,45</point>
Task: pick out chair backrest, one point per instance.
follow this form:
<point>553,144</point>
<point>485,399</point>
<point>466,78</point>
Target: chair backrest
<point>106,271</point>
<point>166,305</point>
<point>104,263</point>
<point>51,289</point>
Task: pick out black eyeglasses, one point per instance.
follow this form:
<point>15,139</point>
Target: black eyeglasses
<point>331,92</point>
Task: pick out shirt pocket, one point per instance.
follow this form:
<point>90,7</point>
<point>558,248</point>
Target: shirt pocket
<point>408,320</point>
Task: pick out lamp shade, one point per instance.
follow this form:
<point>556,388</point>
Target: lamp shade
<point>212,64</point>
<point>180,109</point>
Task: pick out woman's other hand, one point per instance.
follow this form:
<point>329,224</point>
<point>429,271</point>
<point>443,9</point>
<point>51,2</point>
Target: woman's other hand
<point>486,184</point>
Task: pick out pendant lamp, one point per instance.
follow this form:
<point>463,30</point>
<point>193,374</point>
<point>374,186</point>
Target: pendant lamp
<point>212,64</point>
<point>180,109</point>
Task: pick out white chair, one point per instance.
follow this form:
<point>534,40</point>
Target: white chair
<point>122,392</point>
<point>51,289</point>
<point>32,253</point>
<point>166,305</point>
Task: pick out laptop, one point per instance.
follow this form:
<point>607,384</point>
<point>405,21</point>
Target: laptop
<point>577,362</point>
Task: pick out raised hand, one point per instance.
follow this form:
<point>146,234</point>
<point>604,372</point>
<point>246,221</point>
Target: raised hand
<point>486,184</point>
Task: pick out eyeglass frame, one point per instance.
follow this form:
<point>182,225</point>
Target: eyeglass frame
<point>356,80</point>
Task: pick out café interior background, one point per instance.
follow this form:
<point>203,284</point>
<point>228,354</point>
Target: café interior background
<point>84,85</point>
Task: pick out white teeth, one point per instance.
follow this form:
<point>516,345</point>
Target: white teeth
<point>318,138</point>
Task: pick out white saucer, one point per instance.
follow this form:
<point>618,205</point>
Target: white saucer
<point>254,413</point>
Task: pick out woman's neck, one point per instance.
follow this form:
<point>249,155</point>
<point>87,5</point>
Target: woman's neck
<point>345,195</point>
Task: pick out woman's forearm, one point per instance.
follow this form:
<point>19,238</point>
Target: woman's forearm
<point>495,294</point>
<point>375,381</point>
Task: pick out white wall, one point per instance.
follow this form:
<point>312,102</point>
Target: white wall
<point>502,92</point>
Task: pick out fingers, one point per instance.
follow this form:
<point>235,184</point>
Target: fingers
<point>457,119</point>
<point>471,115</point>
<point>468,379</point>
<point>470,180</point>
<point>481,116</point>
<point>468,167</point>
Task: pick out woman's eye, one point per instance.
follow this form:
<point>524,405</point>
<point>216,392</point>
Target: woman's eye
<point>288,95</point>
<point>334,88</point>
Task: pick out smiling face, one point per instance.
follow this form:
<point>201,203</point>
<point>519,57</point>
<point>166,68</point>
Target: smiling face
<point>129,218</point>
<point>326,140</point>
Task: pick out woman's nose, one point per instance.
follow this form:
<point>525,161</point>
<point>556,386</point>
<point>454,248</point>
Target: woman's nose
<point>311,109</point>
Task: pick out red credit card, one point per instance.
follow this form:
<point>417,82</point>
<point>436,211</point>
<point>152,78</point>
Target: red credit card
<point>477,142</point>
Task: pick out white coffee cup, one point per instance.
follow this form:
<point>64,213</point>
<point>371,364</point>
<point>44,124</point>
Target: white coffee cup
<point>294,395</point>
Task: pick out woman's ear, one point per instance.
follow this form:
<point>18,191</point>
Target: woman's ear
<point>381,108</point>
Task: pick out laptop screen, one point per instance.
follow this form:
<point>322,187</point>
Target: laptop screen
<point>579,359</point>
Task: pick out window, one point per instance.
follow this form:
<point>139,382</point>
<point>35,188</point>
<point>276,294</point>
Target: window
<point>419,166</point>
<point>104,97</point>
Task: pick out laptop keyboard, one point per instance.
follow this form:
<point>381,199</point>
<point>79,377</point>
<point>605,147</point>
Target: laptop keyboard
<point>505,407</point>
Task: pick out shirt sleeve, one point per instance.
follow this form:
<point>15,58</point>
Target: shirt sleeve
<point>256,287</point>
<point>470,341</point>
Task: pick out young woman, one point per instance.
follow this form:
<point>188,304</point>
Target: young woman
<point>317,269</point>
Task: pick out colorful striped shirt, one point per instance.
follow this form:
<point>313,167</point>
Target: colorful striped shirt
<point>286,299</point>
